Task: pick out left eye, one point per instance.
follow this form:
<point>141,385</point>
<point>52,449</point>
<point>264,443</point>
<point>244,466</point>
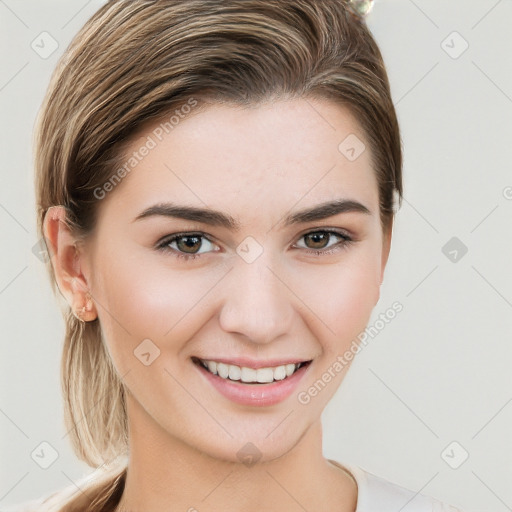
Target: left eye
<point>321,239</point>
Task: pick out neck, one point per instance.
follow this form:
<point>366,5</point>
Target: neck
<point>166,474</point>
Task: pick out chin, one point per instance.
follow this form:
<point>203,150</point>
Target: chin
<point>248,452</point>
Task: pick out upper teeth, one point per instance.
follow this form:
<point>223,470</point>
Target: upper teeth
<point>233,372</point>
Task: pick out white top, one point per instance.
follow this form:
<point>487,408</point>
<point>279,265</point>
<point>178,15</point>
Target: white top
<point>378,495</point>
<point>374,495</point>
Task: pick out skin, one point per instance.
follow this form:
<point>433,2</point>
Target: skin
<point>257,165</point>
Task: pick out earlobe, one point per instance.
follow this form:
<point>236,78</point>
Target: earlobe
<point>65,260</point>
<point>386,246</point>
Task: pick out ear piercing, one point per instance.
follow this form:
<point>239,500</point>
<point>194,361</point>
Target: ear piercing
<point>83,313</point>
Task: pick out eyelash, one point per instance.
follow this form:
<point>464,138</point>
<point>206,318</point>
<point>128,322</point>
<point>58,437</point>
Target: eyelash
<point>343,244</point>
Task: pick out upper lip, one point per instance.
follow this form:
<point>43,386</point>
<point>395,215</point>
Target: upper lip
<point>253,363</point>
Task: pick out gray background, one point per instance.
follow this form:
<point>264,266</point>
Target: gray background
<point>438,373</point>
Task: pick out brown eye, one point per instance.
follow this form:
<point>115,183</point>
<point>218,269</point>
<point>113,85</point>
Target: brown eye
<point>189,244</point>
<point>324,242</point>
<point>318,240</point>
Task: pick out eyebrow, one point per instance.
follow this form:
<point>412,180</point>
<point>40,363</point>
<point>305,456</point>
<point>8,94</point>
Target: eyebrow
<point>220,219</point>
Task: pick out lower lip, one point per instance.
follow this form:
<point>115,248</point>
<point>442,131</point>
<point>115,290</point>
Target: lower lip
<point>255,394</point>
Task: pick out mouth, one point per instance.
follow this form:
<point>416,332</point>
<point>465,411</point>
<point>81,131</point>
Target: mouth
<point>247,375</point>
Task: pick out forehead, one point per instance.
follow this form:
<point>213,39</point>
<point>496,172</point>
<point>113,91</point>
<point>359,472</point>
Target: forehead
<point>270,154</point>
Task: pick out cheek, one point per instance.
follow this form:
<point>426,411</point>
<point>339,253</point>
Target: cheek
<point>142,298</point>
<point>342,297</point>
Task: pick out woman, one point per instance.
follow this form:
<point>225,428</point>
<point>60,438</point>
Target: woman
<point>216,184</point>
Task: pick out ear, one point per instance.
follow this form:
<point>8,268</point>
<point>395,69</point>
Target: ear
<point>386,246</point>
<point>65,259</point>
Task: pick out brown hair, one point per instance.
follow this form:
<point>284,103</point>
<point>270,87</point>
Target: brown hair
<point>138,60</point>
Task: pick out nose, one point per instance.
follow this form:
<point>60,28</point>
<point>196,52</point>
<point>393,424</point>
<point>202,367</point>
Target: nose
<point>257,302</point>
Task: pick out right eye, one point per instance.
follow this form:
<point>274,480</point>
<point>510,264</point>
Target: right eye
<point>185,245</point>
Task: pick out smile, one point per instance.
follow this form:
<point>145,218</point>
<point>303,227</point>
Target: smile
<point>246,385</point>
<point>250,375</point>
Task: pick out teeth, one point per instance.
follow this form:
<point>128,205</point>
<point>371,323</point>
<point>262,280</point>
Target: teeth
<point>250,375</point>
<point>235,373</point>
<point>265,375</point>
<point>280,372</point>
<point>223,370</point>
<point>289,368</point>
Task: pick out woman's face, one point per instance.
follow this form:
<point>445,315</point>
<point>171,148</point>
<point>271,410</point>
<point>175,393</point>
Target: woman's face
<point>258,282</point>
